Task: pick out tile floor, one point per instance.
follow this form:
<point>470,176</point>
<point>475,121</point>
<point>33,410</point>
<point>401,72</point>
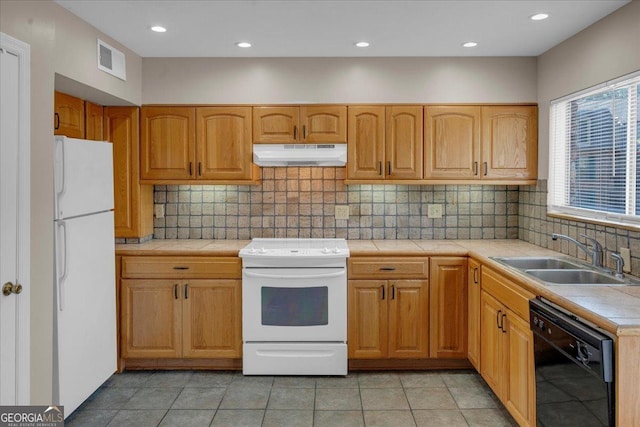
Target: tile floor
<point>197,398</point>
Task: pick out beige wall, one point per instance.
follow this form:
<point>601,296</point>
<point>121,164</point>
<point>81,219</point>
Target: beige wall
<point>60,43</point>
<point>608,49</point>
<point>338,80</point>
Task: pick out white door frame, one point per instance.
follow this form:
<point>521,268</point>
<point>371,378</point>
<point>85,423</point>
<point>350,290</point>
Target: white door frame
<point>23,332</point>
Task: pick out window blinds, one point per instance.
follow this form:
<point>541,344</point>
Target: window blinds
<point>594,153</point>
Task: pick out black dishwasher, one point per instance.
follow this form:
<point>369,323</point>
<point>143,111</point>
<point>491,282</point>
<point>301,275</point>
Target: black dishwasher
<point>574,370</point>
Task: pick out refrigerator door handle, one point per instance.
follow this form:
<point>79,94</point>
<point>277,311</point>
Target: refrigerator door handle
<point>59,175</point>
<point>62,268</point>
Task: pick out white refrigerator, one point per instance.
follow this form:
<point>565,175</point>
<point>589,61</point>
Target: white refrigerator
<point>85,287</point>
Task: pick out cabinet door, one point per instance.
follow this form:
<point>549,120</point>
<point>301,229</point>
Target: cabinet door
<point>520,387</point>
<point>151,319</point>
<point>212,324</point>
<point>408,318</point>
<point>224,149</point>
<point>404,142</point>
<point>93,121</point>
<point>168,143</point>
<point>448,307</point>
<point>492,343</point>
<point>365,146</point>
<point>473,311</point>
<point>276,125</point>
<point>510,142</point>
<point>367,319</point>
<point>133,203</point>
<point>452,142</point>
<point>68,117</point>
<point>323,123</point>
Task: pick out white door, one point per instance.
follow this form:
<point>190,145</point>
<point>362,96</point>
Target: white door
<point>14,222</point>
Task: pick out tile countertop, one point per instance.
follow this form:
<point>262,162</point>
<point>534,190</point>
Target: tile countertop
<point>614,308</point>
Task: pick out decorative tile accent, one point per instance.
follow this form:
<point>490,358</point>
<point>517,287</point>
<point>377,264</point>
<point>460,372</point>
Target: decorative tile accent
<point>300,202</point>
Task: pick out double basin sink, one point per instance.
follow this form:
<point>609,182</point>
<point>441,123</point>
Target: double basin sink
<point>560,271</point>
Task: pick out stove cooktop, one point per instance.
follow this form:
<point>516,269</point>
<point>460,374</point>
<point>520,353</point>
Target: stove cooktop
<point>285,252</point>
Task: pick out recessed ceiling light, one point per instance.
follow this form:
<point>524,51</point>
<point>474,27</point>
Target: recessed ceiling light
<point>243,44</point>
<point>158,29</point>
<point>362,44</point>
<point>539,16</point>
<point>470,44</point>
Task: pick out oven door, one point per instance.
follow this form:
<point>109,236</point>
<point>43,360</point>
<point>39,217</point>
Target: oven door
<point>294,304</point>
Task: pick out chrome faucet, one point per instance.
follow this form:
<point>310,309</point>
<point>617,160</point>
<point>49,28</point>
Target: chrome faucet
<point>619,264</point>
<point>595,252</point>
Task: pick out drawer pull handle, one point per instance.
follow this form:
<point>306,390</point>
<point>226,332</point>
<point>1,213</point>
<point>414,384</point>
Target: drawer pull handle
<point>387,269</point>
<point>180,268</point>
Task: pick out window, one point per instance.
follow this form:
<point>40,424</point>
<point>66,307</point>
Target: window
<point>594,153</point>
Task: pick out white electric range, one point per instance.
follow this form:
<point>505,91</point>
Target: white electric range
<point>294,305</point>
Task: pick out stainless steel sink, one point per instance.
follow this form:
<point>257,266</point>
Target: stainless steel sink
<point>537,263</point>
<point>571,277</point>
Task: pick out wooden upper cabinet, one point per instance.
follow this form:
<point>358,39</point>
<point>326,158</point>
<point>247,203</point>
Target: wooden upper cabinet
<point>323,124</point>
<point>168,143</point>
<point>408,318</point>
<point>448,307</point>
<point>224,149</point>
<point>404,142</point>
<point>365,147</point>
<point>133,202</point>
<point>275,125</point>
<point>68,117</point>
<point>294,124</point>
<point>510,142</point>
<point>452,142</point>
<point>93,120</point>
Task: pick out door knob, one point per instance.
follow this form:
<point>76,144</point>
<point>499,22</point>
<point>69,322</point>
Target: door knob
<point>10,288</point>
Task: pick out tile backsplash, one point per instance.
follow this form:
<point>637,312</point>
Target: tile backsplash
<point>536,227</point>
<point>300,202</point>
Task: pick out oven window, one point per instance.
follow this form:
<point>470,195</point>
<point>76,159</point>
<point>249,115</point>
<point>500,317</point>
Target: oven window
<point>295,306</point>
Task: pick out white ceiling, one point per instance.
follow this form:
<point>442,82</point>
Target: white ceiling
<point>329,28</point>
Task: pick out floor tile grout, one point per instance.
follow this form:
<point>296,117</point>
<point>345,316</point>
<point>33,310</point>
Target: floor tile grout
<point>358,381</point>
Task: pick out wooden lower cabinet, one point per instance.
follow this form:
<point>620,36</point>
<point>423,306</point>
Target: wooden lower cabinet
<point>473,313</point>
<point>164,318</point>
<point>448,307</point>
<point>151,318</point>
<point>506,347</point>
<point>388,319</point>
<point>211,319</point>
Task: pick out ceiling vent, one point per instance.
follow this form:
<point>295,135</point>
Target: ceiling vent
<point>111,60</point>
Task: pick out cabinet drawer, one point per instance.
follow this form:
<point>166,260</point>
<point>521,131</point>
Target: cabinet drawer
<point>507,292</point>
<point>388,267</point>
<point>149,267</point>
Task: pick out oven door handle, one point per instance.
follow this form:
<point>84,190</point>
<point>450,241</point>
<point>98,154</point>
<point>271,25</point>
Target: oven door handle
<point>296,276</point>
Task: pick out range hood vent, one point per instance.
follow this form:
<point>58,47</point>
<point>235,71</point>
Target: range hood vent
<point>300,154</point>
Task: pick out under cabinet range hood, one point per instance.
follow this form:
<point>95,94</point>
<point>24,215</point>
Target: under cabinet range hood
<point>300,154</point>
